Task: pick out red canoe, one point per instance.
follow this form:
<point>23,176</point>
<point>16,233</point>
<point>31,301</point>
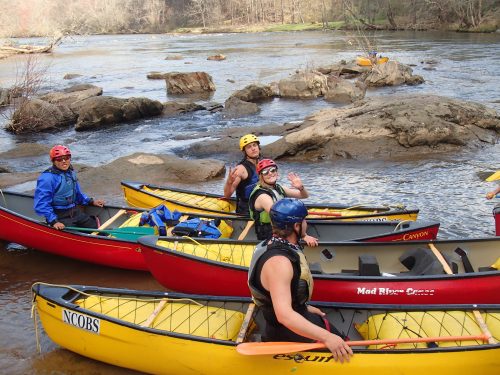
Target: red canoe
<point>350,272</point>
<point>20,224</point>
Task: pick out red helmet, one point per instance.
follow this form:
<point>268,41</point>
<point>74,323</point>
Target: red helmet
<point>59,150</point>
<point>265,163</point>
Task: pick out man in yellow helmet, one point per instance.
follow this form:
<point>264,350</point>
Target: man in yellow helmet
<point>243,177</point>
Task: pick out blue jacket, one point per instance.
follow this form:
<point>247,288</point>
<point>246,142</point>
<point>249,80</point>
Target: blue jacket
<point>56,189</point>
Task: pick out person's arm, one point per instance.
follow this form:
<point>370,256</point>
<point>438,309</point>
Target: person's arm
<point>298,189</point>
<point>234,178</point>
<point>491,194</point>
<point>276,277</point>
<point>44,195</point>
<point>264,202</point>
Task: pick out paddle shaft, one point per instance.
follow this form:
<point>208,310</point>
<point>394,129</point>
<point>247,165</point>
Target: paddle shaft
<point>271,348</point>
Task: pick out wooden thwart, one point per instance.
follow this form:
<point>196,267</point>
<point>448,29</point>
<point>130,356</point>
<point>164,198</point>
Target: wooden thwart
<point>477,315</point>
<point>108,222</point>
<point>244,233</point>
<point>246,322</point>
<point>149,321</point>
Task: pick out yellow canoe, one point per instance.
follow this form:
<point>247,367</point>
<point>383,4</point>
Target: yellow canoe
<point>144,195</point>
<point>168,333</point>
<point>365,61</point>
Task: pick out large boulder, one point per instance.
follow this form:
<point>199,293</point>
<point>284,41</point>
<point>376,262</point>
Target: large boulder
<point>234,107</point>
<point>73,96</point>
<point>303,85</point>
<point>176,108</point>
<point>105,110</point>
<point>159,169</point>
<point>38,115</point>
<point>343,91</point>
<point>189,83</point>
<point>391,126</point>
<point>392,73</point>
<point>254,93</point>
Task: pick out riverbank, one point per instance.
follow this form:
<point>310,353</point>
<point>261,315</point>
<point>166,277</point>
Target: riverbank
<point>488,27</point>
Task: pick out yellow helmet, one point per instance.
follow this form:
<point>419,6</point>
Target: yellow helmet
<point>247,139</point>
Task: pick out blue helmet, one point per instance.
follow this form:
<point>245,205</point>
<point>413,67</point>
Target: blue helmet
<point>286,212</point>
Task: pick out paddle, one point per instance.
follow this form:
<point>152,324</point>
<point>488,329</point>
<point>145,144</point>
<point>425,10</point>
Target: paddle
<point>125,233</point>
<point>271,348</point>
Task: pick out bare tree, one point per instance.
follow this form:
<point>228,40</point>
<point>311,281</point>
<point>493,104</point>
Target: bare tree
<point>31,76</point>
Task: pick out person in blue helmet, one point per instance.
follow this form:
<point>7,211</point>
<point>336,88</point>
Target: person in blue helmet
<point>280,282</point>
<point>58,194</point>
<point>243,178</point>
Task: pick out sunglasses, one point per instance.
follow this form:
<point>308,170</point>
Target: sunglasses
<point>62,158</point>
<point>265,172</point>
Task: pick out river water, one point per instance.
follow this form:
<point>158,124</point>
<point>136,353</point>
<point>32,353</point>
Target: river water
<point>449,189</point>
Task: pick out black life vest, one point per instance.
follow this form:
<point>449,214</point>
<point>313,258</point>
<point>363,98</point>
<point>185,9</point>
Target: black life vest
<point>246,186</point>
<point>302,281</point>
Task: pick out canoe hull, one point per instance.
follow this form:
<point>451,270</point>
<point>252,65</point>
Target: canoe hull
<point>93,249</point>
<point>153,351</point>
<point>191,274</point>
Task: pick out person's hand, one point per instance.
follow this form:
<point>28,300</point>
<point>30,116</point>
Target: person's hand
<point>295,181</point>
<point>490,195</point>
<point>58,226</point>
<point>231,175</point>
<point>98,203</point>
<point>315,310</point>
<point>310,240</point>
<point>339,348</point>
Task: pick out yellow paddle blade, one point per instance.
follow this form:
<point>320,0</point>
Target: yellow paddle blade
<point>495,176</point>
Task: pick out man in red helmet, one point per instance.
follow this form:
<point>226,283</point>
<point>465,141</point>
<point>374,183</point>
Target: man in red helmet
<point>267,192</point>
<point>243,177</point>
<point>58,193</point>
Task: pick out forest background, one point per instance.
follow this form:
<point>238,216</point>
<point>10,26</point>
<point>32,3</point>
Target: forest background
<point>24,18</point>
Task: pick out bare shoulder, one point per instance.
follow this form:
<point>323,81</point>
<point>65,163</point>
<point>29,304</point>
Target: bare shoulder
<point>241,171</point>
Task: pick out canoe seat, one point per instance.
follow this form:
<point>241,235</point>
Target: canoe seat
<point>423,262</point>
<point>368,265</point>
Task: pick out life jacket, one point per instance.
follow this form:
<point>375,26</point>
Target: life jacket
<point>160,217</point>
<point>301,284</point>
<point>65,193</point>
<point>196,227</point>
<point>246,186</point>
<point>262,219</point>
